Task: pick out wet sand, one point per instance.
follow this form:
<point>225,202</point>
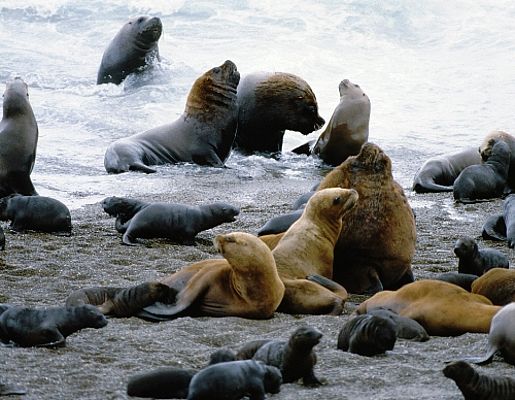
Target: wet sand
<point>41,270</point>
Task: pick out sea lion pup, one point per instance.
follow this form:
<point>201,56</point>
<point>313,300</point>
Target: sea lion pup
<point>486,149</point>
<point>123,209</point>
<point>18,140</point>
<point>377,241</point>
<point>234,380</point>
<point>475,386</point>
<point>304,255</point>
<point>367,335</point>
<point>484,181</point>
<point>347,129</point>
<point>244,284</point>
<point>178,222</point>
<point>497,285</point>
<point>269,103</point>
<point>47,327</point>
<point>120,302</point>
<point>502,226</point>
<point>462,280</point>
<point>473,260</point>
<point>203,134</point>
<point>133,47</point>
<point>439,173</point>
<point>170,382</point>
<point>405,328</point>
<point>442,308</point>
<point>37,213</point>
<point>295,358</point>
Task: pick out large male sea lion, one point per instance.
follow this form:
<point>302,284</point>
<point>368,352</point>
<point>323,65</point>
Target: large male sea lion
<point>244,284</point>
<point>502,226</point>
<point>475,261</point>
<point>133,47</point>
<point>377,242</point>
<point>442,308</point>
<point>270,103</point>
<point>484,181</point>
<point>347,129</point>
<point>497,285</point>
<point>203,134</point>
<point>18,140</point>
<point>439,173</point>
<point>486,149</point>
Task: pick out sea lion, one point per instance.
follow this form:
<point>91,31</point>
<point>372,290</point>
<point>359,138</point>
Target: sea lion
<point>270,103</point>
<point>405,328</point>
<point>502,226</point>
<point>475,386</point>
<point>486,180</point>
<point>486,149</point>
<point>133,47</point>
<point>304,255</point>
<point>367,335</point>
<point>473,260</point>
<point>37,213</point>
<point>347,129</point>
<point>280,223</point>
<point>462,280</point>
<point>170,382</point>
<point>443,309</point>
<point>203,134</point>
<point>235,379</point>
<point>244,284</point>
<point>2,239</point>
<point>497,285</point>
<point>47,327</point>
<point>295,358</point>
<point>439,173</point>
<point>118,301</point>
<point>18,140</point>
<point>377,241</point>
<point>179,222</point>
<point>123,209</point>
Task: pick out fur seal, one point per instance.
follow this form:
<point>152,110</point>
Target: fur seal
<point>133,47</point>
<point>474,385</point>
<point>462,280</point>
<point>47,327</point>
<point>120,302</point>
<point>246,284</point>
<point>486,180</point>
<point>439,173</point>
<point>18,140</point>
<point>295,358</point>
<point>170,382</point>
<point>442,308</point>
<point>37,213</point>
<point>235,379</point>
<point>502,226</point>
<point>347,129</point>
<point>377,241</point>
<point>473,260</point>
<point>367,335</point>
<point>405,328</point>
<point>269,103</point>
<point>179,222</point>
<point>304,255</point>
<point>486,149</point>
<point>497,285</point>
<point>203,134</point>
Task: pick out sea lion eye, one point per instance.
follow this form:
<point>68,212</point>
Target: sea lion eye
<point>140,20</point>
<point>216,70</point>
<point>337,200</point>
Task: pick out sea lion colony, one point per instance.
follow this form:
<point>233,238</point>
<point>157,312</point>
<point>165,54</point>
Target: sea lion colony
<point>415,300</point>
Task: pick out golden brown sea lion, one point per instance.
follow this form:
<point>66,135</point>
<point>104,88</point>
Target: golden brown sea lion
<point>442,308</point>
<point>244,284</point>
<point>497,285</point>
<point>377,241</point>
<point>487,146</point>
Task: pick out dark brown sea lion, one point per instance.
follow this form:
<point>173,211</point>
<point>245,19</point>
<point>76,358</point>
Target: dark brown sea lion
<point>347,129</point>
<point>484,181</point>
<point>377,240</point>
<point>244,284</point>
<point>133,47</point>
<point>203,134</point>
<point>118,301</point>
<point>486,149</point>
<point>269,104</point>
<point>47,327</point>
<point>367,335</point>
<point>439,173</point>
<point>502,226</point>
<point>442,308</point>
<point>473,260</point>
<point>497,285</point>
<point>18,140</point>
<point>234,380</point>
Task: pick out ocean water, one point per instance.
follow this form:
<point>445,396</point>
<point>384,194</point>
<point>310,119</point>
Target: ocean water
<point>440,75</point>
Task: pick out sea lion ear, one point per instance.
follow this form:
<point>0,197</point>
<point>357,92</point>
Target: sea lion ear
<point>337,200</point>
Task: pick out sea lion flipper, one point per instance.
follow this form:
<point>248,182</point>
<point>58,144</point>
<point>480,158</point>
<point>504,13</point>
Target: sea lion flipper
<point>20,182</point>
<point>139,166</point>
<point>494,228</point>
<point>54,337</point>
<point>304,148</point>
<point>9,390</point>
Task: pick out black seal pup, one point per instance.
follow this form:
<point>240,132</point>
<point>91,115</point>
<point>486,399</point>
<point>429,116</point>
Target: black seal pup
<point>475,261</point>
<point>502,226</point>
<point>405,328</point>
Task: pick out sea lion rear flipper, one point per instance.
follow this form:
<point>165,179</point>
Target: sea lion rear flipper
<point>54,337</point>
<point>494,228</point>
<point>139,166</point>
<point>304,148</point>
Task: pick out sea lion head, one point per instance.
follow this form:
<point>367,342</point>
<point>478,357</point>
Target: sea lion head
<point>372,335</point>
<point>16,97</point>
<point>349,89</point>
<point>243,249</point>
<point>371,158</point>
<point>459,371</point>
<point>465,247</point>
<point>90,315</point>
<point>222,355</point>
<point>224,212</point>
<point>332,203</point>
<point>305,337</point>
<point>272,380</point>
<point>489,141</point>
<point>147,30</point>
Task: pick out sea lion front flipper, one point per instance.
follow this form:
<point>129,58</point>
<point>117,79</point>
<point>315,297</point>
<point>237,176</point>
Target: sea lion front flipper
<point>139,166</point>
<point>10,390</point>
<point>121,227</point>
<point>54,337</point>
<point>304,148</point>
<point>210,159</point>
<point>494,228</point>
